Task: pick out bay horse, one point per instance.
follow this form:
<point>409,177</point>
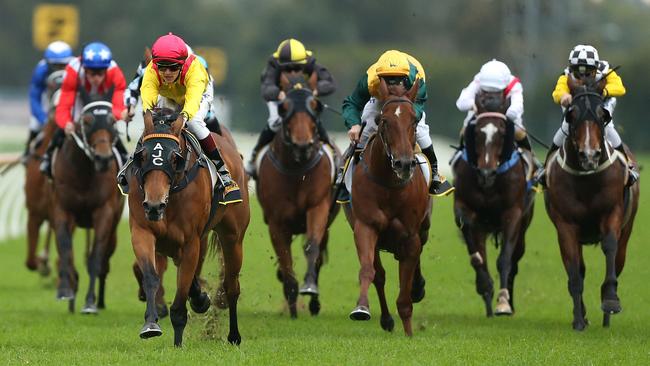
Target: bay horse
<point>294,187</point>
<point>390,207</point>
<point>172,208</point>
<point>86,195</point>
<point>587,200</point>
<point>38,191</point>
<point>493,197</point>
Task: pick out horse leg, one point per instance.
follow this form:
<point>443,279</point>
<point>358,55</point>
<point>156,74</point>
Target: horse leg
<point>316,226</point>
<point>66,288</point>
<point>221,298</point>
<point>161,267</point>
<point>504,261</point>
<point>409,258</point>
<point>610,302</point>
<point>199,300</point>
<point>281,239</point>
<point>186,271</point>
<point>573,264</point>
<point>105,268</point>
<point>314,303</point>
<point>139,277</point>
<point>33,224</point>
<point>417,289</point>
<point>365,238</point>
<point>44,257</point>
<point>232,253</point>
<point>98,253</point>
<point>386,321</point>
<point>520,248</point>
<point>475,240</point>
<point>144,248</point>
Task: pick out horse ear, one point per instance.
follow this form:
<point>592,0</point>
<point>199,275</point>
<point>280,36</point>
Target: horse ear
<point>285,84</point>
<point>177,125</point>
<point>383,89</point>
<point>148,122</point>
<point>413,92</point>
<point>313,81</point>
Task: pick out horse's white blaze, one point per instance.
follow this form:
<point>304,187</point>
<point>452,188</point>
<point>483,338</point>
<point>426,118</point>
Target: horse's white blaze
<point>398,111</point>
<point>489,130</point>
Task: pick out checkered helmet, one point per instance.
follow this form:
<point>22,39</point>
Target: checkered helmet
<point>584,55</point>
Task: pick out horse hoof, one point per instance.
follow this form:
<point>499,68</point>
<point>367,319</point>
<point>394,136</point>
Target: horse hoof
<point>234,339</point>
<point>201,303</point>
<point>89,309</point>
<point>504,309</point>
<point>31,265</point>
<point>150,330</point>
<point>162,310</point>
<point>314,306</point>
<point>611,306</point>
<point>418,292</point>
<point>579,325</point>
<point>309,289</point>
<point>64,294</point>
<point>141,296</point>
<point>387,323</point>
<point>360,313</point>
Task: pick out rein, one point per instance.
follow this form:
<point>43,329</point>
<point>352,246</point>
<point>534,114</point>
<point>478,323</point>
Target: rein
<point>82,141</point>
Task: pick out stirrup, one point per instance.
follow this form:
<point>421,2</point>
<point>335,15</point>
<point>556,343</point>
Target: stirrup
<point>632,177</point>
<point>46,166</point>
<point>342,196</point>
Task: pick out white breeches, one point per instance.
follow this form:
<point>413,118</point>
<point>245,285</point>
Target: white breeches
<point>370,112</point>
<point>274,120</point>
<point>197,124</point>
<point>610,134</point>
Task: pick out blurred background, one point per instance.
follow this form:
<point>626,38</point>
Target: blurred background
<point>451,38</point>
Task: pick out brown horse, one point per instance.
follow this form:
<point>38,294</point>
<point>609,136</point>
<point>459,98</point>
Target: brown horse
<point>492,197</point>
<point>587,199</point>
<point>86,195</point>
<point>390,208</point>
<point>294,188</point>
<point>171,214</point>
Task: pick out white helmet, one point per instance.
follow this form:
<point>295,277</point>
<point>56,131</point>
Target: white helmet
<point>494,76</point>
<point>584,55</point>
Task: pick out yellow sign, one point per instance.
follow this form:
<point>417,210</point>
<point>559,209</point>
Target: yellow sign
<point>55,22</point>
<point>217,62</point>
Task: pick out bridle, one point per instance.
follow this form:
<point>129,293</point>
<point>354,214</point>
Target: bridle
<point>101,113</point>
<point>381,129</point>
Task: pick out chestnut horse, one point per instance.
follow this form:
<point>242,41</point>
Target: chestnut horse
<point>493,197</point>
<point>86,195</point>
<point>587,199</point>
<point>172,208</point>
<point>294,188</point>
<point>390,207</point>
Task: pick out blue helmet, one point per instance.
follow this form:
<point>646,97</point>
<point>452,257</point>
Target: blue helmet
<point>58,52</point>
<point>96,55</point>
<point>202,61</point>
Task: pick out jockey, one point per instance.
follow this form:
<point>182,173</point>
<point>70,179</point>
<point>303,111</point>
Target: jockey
<point>175,78</point>
<point>291,55</point>
<point>99,73</point>
<point>56,56</point>
<point>396,68</point>
<point>210,119</point>
<point>495,76</point>
<point>584,62</point>
<point>132,91</point>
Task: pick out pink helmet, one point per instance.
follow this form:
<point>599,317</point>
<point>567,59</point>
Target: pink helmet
<point>169,49</point>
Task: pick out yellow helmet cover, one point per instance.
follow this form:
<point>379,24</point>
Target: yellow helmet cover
<point>291,51</point>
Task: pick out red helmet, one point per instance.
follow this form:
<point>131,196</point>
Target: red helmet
<point>169,49</point>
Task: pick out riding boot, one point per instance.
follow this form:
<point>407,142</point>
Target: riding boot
<point>322,132</point>
<point>231,191</point>
<point>55,143</point>
<point>542,174</point>
<point>633,175</point>
<point>525,144</point>
<point>435,177</point>
<point>266,136</point>
<point>124,154</point>
<point>32,135</point>
<point>213,125</point>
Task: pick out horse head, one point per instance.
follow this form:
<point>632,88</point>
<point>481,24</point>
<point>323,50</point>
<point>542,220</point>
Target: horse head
<point>96,127</point>
<point>300,112</point>
<point>491,135</point>
<point>159,159</point>
<point>587,118</point>
<point>396,124</point>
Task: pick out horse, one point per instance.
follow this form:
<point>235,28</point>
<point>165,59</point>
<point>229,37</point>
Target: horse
<point>587,200</point>
<point>294,187</point>
<point>492,197</point>
<point>390,207</point>
<point>172,208</point>
<point>86,195</point>
<point>38,191</point>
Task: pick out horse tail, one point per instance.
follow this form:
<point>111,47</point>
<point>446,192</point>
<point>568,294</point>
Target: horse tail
<point>214,246</point>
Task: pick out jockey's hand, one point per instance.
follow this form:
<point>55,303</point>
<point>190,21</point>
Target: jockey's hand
<point>69,128</point>
<point>315,92</point>
<point>566,99</point>
<point>281,96</point>
<point>353,133</point>
<point>126,115</point>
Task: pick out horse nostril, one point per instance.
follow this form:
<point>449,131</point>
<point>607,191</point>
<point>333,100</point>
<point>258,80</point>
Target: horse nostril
<point>162,206</point>
<point>413,163</point>
<point>145,204</point>
<point>398,164</point>
<point>597,155</point>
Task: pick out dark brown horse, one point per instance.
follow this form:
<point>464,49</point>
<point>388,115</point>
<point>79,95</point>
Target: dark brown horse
<point>492,197</point>
<point>86,195</point>
<point>294,188</point>
<point>171,213</point>
<point>390,208</point>
<point>587,200</point>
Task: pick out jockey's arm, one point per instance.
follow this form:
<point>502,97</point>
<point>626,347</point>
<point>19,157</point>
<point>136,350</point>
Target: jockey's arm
<point>116,77</point>
<point>561,88</point>
<point>36,89</point>
<point>269,82</point>
<point>149,89</point>
<point>420,99</point>
<point>465,101</point>
<point>516,109</point>
<point>63,114</point>
<point>326,84</point>
<point>196,81</point>
<point>614,86</point>
<point>354,103</point>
